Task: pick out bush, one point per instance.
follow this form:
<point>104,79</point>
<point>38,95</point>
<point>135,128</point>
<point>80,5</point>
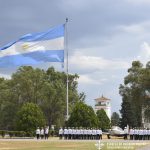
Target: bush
<point>82,116</point>
<point>54,132</point>
<point>29,117</point>
<point>30,134</point>
<point>17,133</point>
<point>11,134</point>
<point>2,133</point>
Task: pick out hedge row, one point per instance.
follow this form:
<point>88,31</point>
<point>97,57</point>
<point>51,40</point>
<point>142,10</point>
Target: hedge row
<point>24,134</point>
<point>16,133</point>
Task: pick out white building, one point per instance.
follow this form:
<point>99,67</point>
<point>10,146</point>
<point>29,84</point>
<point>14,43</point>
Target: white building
<point>103,103</point>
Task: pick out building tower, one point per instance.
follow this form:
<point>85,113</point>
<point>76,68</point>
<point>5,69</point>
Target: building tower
<point>103,103</point>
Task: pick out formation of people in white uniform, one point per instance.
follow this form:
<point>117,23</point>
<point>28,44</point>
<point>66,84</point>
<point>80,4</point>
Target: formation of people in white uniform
<point>96,134</point>
<point>42,133</point>
<point>92,134</point>
<point>139,134</point>
<point>80,133</point>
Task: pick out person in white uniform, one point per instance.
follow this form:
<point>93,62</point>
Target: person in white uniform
<point>65,133</point>
<point>61,133</point>
<point>131,133</point>
<point>46,132</point>
<point>38,133</point>
<point>42,133</point>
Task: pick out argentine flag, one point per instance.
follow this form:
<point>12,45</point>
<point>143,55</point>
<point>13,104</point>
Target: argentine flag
<point>34,48</point>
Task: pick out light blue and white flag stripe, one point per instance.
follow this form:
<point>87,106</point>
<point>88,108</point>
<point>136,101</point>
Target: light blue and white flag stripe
<point>34,48</point>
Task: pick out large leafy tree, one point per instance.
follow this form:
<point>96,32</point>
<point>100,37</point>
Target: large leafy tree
<point>29,117</point>
<point>8,105</point>
<point>47,89</point>
<point>27,84</point>
<point>128,115</point>
<point>145,84</point>
<point>104,121</point>
<point>134,94</point>
<point>54,101</point>
<point>83,116</point>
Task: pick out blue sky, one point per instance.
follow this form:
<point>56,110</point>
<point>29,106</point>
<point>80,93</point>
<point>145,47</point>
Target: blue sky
<point>104,37</point>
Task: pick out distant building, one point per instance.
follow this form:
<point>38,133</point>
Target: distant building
<point>103,103</point>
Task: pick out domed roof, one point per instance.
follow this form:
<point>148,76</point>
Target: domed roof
<point>102,98</point>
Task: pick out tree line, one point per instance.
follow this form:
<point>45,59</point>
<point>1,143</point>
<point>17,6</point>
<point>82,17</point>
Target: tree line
<point>33,98</point>
<point>135,92</point>
<point>37,95</point>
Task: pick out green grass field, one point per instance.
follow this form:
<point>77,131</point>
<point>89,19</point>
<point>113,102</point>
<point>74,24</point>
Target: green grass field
<point>63,145</point>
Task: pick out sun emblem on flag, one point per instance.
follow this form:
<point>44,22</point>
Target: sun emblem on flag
<point>25,46</point>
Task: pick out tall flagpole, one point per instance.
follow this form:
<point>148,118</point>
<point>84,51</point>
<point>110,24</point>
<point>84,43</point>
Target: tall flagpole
<point>66,47</point>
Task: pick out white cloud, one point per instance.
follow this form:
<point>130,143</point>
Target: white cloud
<point>5,76</point>
<point>144,55</point>
<point>139,1</point>
<point>77,4</point>
<point>88,63</point>
<point>86,79</point>
<point>136,28</point>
